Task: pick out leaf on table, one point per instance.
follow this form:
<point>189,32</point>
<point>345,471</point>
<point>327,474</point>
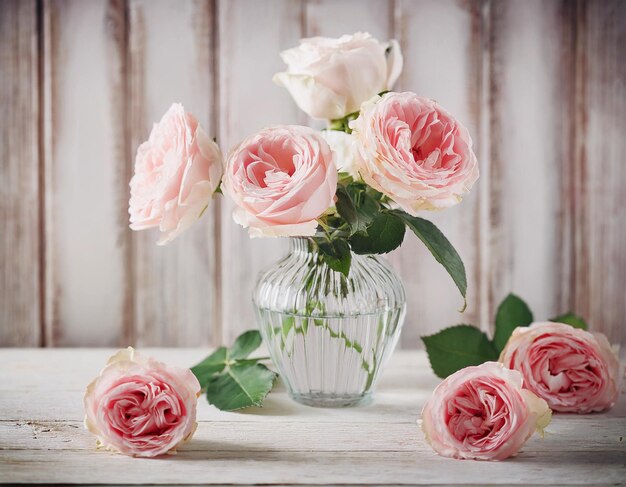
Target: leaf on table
<point>213,364</point>
<point>512,312</point>
<point>240,386</point>
<point>384,234</point>
<point>457,347</point>
<point>572,320</point>
<point>440,247</point>
<point>245,344</point>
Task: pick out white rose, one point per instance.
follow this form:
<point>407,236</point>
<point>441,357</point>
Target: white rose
<point>344,150</point>
<point>330,78</point>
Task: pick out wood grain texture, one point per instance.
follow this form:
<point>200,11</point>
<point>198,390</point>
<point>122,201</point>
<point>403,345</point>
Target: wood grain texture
<point>283,442</point>
<point>351,468</point>
<point>20,272</point>
<point>540,85</point>
<point>86,245</point>
<point>171,60</point>
<point>528,72</point>
<point>441,43</point>
<point>598,279</point>
<point>249,56</point>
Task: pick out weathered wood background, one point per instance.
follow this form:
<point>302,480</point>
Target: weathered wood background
<point>541,84</point>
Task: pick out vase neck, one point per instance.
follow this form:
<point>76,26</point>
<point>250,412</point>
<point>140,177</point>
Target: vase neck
<point>302,244</point>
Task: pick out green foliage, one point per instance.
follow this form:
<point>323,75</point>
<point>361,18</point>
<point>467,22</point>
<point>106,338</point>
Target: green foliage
<point>245,344</point>
<point>440,247</point>
<point>356,207</point>
<point>512,312</point>
<point>240,386</point>
<point>213,364</point>
<point>572,320</point>
<point>230,379</point>
<point>383,235</point>
<point>458,347</point>
<point>336,253</point>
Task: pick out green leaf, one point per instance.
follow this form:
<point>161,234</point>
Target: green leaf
<point>385,234</point>
<point>572,320</point>
<point>345,207</point>
<point>336,254</point>
<point>512,312</point>
<point>440,247</point>
<point>240,386</point>
<point>457,347</point>
<point>211,365</point>
<point>356,207</point>
<point>245,344</point>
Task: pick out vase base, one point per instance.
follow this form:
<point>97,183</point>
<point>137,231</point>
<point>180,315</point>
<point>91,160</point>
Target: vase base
<point>329,400</point>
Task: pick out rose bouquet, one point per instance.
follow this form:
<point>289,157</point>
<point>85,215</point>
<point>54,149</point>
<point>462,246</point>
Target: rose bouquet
<point>347,191</point>
<point>353,186</point>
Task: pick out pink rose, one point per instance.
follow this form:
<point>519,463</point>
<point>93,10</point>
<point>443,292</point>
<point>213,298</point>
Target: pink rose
<point>140,407</point>
<point>281,179</point>
<point>414,152</point>
<point>330,78</point>
<point>177,170</point>
<point>573,370</point>
<point>482,413</point>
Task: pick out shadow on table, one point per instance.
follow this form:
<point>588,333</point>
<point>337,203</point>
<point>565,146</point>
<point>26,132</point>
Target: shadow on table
<point>221,450</point>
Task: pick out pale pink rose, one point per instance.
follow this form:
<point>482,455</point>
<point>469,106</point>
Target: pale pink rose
<point>281,179</point>
<point>140,407</point>
<point>330,78</point>
<point>177,170</point>
<point>482,413</point>
<point>572,369</point>
<point>414,151</point>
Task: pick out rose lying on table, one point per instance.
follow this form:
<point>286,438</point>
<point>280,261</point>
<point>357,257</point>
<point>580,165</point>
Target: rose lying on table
<point>574,370</point>
<point>140,407</point>
<point>488,411</point>
<point>482,413</point>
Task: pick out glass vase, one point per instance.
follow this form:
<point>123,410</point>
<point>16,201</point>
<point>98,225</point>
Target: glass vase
<point>329,335</point>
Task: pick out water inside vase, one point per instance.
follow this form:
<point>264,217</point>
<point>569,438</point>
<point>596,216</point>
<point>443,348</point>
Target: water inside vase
<point>330,361</point>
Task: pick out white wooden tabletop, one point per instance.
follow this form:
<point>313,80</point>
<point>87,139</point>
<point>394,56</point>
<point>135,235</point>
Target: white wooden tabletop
<point>42,439</point>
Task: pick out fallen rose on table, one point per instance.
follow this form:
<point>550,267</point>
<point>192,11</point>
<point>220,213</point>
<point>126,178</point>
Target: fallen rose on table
<point>140,407</point>
<point>488,411</point>
<point>144,408</point>
<point>482,413</point>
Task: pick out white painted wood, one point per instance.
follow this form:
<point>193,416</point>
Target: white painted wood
<point>171,60</point>
<point>358,468</point>
<point>525,177</point>
<point>20,278</point>
<point>249,100</point>
<point>334,18</point>
<point>539,84</point>
<point>563,434</point>
<point>441,46</point>
<point>42,438</point>
<point>598,196</point>
<point>85,238</point>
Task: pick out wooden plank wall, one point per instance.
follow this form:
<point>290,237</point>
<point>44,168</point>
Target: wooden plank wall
<point>540,84</point>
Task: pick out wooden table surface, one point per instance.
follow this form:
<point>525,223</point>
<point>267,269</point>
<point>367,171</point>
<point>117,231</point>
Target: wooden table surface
<point>42,439</point>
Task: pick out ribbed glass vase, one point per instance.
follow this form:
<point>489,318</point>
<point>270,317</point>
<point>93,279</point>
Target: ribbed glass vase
<point>328,335</point>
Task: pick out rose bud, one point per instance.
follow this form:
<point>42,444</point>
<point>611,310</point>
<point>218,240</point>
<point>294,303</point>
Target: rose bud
<point>177,170</point>
<point>330,78</point>
<point>572,369</point>
<point>140,407</point>
<point>414,151</point>
<point>482,413</point>
<point>281,179</point>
